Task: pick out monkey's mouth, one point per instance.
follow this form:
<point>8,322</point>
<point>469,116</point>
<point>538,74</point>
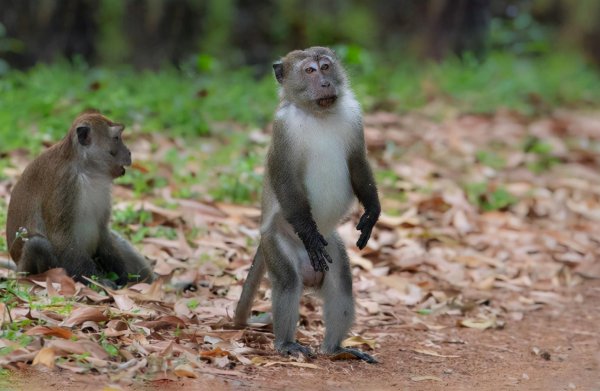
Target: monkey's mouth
<point>327,101</point>
<point>118,171</point>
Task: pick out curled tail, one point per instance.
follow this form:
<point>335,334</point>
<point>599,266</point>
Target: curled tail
<point>255,274</point>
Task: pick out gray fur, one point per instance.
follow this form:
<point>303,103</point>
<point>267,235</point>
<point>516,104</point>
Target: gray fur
<point>315,166</point>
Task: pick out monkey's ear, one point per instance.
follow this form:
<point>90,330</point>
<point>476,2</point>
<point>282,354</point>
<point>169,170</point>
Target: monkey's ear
<point>278,68</point>
<point>118,128</point>
<point>83,135</point>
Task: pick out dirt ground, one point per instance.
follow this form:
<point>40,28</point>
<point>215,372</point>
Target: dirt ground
<point>555,348</point>
<point>483,279</point>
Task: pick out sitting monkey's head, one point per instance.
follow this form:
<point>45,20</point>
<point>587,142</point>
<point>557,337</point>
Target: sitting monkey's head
<point>98,145</point>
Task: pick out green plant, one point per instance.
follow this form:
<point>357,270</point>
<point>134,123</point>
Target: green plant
<point>241,182</point>
<point>192,304</point>
<point>490,159</point>
<point>542,152</point>
<point>111,349</point>
<point>488,198</point>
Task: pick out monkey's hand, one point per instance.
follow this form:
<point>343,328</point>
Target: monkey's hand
<point>365,226</point>
<point>315,247</point>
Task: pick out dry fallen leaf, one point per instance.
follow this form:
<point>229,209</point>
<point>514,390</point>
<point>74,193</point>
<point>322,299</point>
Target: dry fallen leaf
<point>359,341</point>
<point>50,331</point>
<point>45,356</point>
<point>82,314</point>
<point>424,378</point>
<point>262,361</point>
<point>217,352</point>
<point>432,353</point>
<point>63,346</point>
<point>480,324</point>
<point>185,370</point>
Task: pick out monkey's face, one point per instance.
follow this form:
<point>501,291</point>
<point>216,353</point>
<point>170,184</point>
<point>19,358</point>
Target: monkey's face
<point>312,78</point>
<point>101,146</point>
<point>118,151</point>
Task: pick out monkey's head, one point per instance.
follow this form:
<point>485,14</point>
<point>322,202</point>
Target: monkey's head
<point>99,145</point>
<point>312,78</point>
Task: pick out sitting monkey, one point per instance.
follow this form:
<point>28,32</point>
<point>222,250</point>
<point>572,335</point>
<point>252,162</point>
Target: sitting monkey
<point>60,208</point>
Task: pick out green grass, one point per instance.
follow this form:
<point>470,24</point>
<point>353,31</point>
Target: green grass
<point>39,104</point>
<point>489,197</point>
<point>3,212</point>
<point>525,84</point>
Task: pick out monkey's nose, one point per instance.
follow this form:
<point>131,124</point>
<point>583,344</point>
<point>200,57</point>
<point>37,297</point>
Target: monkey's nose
<point>325,84</point>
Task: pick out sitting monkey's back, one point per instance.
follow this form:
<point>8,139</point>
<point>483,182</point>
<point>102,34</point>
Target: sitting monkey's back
<point>45,195</point>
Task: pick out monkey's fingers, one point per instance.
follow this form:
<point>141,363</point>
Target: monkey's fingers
<point>315,260</point>
<point>322,240</point>
<point>364,238</point>
<point>363,220</point>
<point>323,257</point>
<point>327,257</point>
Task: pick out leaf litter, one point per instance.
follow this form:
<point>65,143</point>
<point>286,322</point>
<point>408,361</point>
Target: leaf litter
<point>486,218</point>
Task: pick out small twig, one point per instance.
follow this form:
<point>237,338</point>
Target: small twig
<point>107,289</point>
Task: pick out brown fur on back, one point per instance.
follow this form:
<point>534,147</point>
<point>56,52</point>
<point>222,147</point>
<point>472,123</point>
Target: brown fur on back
<point>43,195</point>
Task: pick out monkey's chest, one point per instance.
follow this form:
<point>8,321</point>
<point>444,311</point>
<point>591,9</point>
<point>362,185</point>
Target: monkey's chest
<point>93,213</point>
<point>327,181</point>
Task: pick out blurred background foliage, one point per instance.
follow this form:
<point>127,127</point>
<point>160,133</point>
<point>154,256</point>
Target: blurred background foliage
<point>181,65</point>
<point>154,33</point>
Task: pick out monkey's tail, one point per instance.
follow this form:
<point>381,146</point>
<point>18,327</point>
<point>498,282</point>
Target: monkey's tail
<point>7,264</point>
<point>255,275</point>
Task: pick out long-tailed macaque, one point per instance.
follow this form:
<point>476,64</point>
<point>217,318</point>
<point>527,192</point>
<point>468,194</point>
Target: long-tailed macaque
<point>315,166</point>
<point>60,208</point>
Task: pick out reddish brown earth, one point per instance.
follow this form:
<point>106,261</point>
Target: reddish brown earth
<point>456,289</point>
<point>555,348</point>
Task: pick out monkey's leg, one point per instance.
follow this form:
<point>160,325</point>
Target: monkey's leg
<point>338,302</point>
<point>287,285</point>
<point>251,285</point>
<point>37,256</point>
<point>115,254</point>
<point>78,264</point>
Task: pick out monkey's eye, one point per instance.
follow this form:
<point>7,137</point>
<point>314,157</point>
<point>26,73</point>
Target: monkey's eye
<point>324,67</point>
<point>309,70</point>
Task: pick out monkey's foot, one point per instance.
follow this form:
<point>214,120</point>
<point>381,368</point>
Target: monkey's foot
<point>350,353</point>
<point>294,349</point>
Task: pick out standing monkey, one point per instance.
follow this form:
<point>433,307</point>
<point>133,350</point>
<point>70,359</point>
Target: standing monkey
<point>315,166</point>
<point>60,208</point>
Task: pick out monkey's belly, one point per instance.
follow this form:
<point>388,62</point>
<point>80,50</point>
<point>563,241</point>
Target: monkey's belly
<point>289,244</point>
<point>329,189</point>
<point>310,277</point>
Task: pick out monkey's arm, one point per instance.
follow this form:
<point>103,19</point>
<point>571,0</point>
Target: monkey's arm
<point>285,177</point>
<point>365,189</point>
